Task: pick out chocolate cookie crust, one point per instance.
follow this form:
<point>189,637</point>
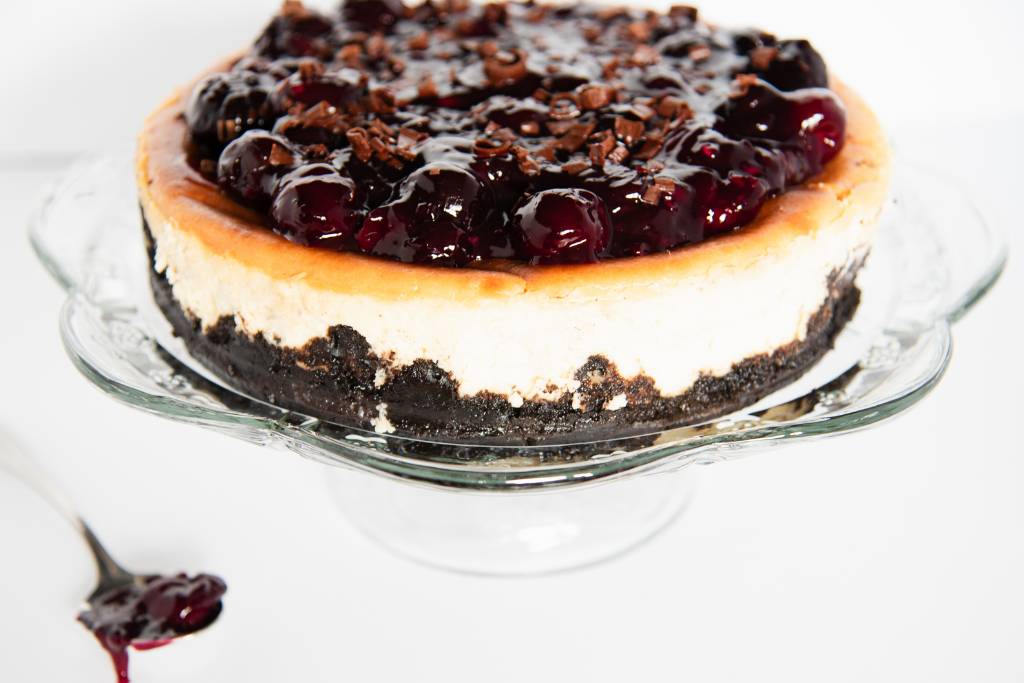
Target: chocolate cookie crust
<point>338,378</point>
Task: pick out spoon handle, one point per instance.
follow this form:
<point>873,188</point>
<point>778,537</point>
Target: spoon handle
<point>14,459</point>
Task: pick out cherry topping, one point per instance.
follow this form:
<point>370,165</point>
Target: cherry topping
<point>250,166</point>
<point>563,226</point>
<point>225,105</point>
<point>447,132</point>
<point>320,209</point>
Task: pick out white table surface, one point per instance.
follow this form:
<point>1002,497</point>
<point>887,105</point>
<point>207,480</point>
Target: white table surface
<point>890,555</point>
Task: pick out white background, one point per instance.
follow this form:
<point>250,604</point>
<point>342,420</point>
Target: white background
<point>892,555</point>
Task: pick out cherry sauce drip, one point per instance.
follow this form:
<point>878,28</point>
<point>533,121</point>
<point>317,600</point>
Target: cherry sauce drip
<point>152,613</point>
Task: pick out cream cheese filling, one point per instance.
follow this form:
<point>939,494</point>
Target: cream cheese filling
<point>531,345</point>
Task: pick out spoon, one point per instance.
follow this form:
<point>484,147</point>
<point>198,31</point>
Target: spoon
<point>143,611</point>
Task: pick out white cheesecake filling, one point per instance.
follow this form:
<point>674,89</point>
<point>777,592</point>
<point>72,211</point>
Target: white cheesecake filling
<point>531,345</point>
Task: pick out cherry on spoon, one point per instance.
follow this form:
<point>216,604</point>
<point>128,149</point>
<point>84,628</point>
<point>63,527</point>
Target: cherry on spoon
<point>126,610</point>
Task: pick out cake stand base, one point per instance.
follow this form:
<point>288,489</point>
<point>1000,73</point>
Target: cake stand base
<point>511,533</point>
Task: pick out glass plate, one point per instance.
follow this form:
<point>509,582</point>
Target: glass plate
<point>921,278</point>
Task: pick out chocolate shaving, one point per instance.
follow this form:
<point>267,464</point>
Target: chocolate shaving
<point>660,187</point>
<point>575,167</point>
<point>411,135</point>
<point>762,57</point>
<point>606,14</point>
<point>488,48</point>
<point>527,164</point>
<point>673,108</point>
<point>420,41</point>
<point>574,137</point>
<point>596,96</point>
<point>699,53</point>
<point>506,134</point>
<point>427,88</point>
<point>563,106</point>
<point>310,69</point>
<point>619,154</point>
<point>610,69</point>
<point>537,14</point>
<point>377,47</point>
<point>227,130</point>
<point>639,31</point>
<point>628,130</point>
<point>380,148</point>
<point>531,128</point>
<point>743,83</point>
<point>360,142</point>
<point>351,54</point>
<point>599,150</point>
<point>382,101</point>
<point>644,55</point>
<point>558,127</point>
<point>321,115</point>
<point>641,112</point>
<point>650,146</point>
<point>685,12</point>
<point>505,68</point>
<point>380,129</point>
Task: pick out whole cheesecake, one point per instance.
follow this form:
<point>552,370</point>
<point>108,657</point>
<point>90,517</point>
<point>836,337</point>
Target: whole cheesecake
<point>512,223</point>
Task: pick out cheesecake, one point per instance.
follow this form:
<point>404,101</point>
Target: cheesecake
<point>510,223</point>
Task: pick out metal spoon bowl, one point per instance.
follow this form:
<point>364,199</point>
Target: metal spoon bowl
<point>143,611</point>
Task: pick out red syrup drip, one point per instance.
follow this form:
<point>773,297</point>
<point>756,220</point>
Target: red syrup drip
<point>151,613</point>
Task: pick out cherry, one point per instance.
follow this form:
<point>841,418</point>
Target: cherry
<point>563,226</point>
<point>337,88</point>
<point>523,117</point>
<point>372,15</point>
<point>671,219</point>
<point>318,207</point>
<point>296,33</point>
<point>814,118</point>
<point>726,205</point>
<point>505,178</point>
<point>797,65</point>
<point>438,209</point>
<point>225,105</point>
<point>250,166</point>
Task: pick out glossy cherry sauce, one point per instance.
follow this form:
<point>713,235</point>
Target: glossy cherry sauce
<point>452,132</point>
<point>152,613</point>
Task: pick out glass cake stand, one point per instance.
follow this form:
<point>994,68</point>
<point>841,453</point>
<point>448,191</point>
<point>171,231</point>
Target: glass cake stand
<point>531,509</point>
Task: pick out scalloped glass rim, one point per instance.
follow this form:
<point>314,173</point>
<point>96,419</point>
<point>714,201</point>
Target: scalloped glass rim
<point>920,279</point>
